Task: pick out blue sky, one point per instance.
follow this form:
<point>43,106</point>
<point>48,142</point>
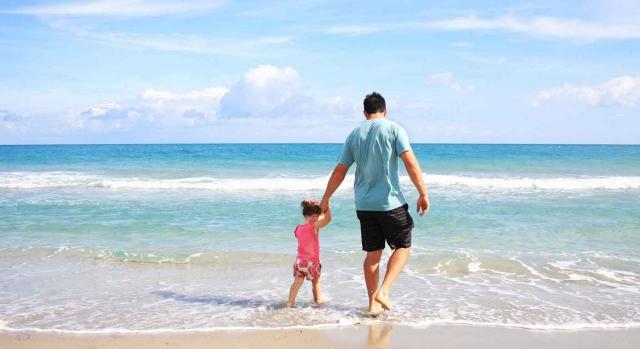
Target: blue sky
<point>296,71</point>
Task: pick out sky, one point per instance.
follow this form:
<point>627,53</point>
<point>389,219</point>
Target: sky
<point>166,71</point>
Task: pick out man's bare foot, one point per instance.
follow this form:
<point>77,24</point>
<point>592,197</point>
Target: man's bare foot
<point>382,297</point>
<point>375,309</point>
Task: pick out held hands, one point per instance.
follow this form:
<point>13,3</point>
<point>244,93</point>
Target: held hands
<point>422,206</point>
<point>325,216</point>
<point>324,205</point>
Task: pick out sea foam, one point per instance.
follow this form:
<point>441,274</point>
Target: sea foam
<point>64,179</point>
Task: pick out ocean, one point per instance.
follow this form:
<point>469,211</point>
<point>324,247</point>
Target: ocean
<point>101,238</point>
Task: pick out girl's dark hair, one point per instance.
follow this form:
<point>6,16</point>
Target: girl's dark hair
<point>310,207</point>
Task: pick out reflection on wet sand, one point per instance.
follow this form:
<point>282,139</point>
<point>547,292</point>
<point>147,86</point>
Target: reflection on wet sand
<point>379,336</point>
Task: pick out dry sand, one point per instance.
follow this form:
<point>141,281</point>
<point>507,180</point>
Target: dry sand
<point>362,336</point>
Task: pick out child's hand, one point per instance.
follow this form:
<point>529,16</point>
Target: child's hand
<point>324,218</point>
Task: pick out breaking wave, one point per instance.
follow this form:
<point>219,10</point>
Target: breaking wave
<point>64,179</point>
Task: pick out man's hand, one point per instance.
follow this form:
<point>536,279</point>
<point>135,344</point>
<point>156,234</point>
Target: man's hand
<point>422,207</point>
<point>415,173</point>
<point>324,220</point>
<point>324,205</point>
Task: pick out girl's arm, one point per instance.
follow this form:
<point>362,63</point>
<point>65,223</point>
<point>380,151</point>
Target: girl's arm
<point>322,222</point>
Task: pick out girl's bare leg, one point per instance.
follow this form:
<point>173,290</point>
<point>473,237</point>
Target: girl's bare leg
<point>293,291</point>
<point>317,295</point>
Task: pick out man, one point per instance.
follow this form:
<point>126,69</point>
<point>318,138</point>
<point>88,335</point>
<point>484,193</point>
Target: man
<point>375,147</point>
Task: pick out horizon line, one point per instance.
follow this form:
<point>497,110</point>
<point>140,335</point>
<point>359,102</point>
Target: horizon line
<point>301,143</point>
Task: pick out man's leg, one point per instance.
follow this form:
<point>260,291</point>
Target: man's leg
<point>371,277</point>
<point>396,263</point>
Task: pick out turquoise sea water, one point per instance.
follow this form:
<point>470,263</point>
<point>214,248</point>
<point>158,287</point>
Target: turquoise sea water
<point>152,237</point>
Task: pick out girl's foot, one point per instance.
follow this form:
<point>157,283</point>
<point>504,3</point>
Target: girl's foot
<point>382,297</point>
<point>291,305</point>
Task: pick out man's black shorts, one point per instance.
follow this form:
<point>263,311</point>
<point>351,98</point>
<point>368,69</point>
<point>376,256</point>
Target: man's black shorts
<point>394,226</point>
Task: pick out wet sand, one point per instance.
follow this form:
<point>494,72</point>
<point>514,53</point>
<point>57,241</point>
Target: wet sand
<point>361,336</point>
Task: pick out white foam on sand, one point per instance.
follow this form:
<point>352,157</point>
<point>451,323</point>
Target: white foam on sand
<point>344,322</point>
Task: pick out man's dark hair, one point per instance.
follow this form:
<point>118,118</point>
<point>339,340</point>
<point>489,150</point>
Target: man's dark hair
<point>374,103</point>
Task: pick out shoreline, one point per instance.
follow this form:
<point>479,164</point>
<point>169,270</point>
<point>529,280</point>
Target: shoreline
<point>327,326</point>
<point>376,335</point>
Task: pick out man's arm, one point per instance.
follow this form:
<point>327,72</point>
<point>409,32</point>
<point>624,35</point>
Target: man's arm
<point>337,176</point>
<point>415,173</point>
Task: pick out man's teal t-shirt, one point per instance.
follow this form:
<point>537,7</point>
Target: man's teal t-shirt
<point>375,146</point>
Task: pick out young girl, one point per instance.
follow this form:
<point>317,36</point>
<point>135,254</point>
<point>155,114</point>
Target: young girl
<point>307,264</point>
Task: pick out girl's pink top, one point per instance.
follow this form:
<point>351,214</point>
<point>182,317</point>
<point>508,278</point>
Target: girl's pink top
<point>308,244</point>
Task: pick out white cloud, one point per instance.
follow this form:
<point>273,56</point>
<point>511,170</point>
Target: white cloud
<point>33,125</point>
<point>622,90</point>
<point>446,79</point>
<point>546,27</point>
<point>213,93</point>
<point>192,43</point>
<point>155,109</point>
<point>268,103</point>
<point>60,17</point>
<point>107,110</point>
<point>7,116</point>
<point>108,115</point>
<point>10,121</point>
<point>117,8</point>
<point>269,92</point>
<point>265,75</point>
<point>264,92</point>
<point>261,90</point>
<point>540,27</point>
<point>352,29</point>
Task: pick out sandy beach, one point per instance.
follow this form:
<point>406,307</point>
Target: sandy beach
<point>361,336</point>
